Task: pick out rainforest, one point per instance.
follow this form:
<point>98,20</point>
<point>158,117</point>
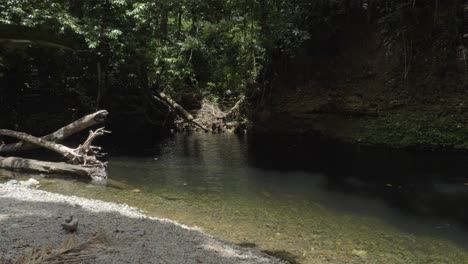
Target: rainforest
<point>223,131</point>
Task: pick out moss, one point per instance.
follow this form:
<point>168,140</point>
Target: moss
<point>399,128</point>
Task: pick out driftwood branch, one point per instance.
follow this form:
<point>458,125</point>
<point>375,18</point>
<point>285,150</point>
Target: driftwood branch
<point>84,158</point>
<point>234,111</point>
<point>62,133</point>
<point>20,164</point>
<point>61,149</point>
<point>179,110</point>
<point>88,151</point>
<point>84,154</point>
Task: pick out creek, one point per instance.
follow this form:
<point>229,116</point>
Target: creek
<point>306,202</point>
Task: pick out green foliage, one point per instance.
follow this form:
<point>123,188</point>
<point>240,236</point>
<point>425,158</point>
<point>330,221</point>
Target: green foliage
<point>126,49</point>
<point>438,25</point>
<point>217,46</point>
<point>182,45</point>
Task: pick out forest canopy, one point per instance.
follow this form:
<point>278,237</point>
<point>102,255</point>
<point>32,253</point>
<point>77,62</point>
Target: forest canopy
<point>118,52</point>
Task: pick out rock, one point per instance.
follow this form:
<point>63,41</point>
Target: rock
<point>140,232</point>
<point>12,182</point>
<point>70,224</point>
<point>69,219</point>
<point>359,253</point>
<point>31,183</point>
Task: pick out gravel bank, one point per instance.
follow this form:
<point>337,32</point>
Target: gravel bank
<point>32,218</point>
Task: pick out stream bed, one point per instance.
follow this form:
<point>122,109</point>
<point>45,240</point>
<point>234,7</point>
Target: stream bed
<point>305,202</point>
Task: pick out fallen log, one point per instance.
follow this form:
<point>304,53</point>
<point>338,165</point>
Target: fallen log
<point>83,158</point>
<point>62,133</point>
<point>61,149</point>
<point>84,154</point>
<point>60,168</point>
<point>179,110</point>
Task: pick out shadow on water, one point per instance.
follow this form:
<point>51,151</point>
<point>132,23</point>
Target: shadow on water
<point>426,184</point>
<point>247,245</point>
<point>280,254</point>
<point>283,255</point>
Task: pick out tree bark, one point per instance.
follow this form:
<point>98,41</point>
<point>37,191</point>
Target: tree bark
<point>99,84</point>
<point>61,149</point>
<point>31,165</point>
<point>179,110</point>
<point>84,158</point>
<point>62,133</point>
<point>234,111</point>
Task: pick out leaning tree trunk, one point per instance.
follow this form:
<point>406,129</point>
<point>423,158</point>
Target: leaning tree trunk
<point>234,112</point>
<point>179,110</point>
<point>62,133</point>
<point>61,149</point>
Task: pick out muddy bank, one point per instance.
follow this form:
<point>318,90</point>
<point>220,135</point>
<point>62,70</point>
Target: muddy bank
<point>32,219</point>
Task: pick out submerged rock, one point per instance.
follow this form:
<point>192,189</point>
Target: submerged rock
<point>359,253</point>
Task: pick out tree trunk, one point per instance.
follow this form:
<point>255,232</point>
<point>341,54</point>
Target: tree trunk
<point>99,84</point>
<point>85,156</point>
<point>179,110</point>
<point>61,149</point>
<point>62,133</point>
<point>60,168</point>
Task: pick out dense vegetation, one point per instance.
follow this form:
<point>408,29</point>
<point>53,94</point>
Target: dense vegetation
<point>393,73</point>
<point>115,53</point>
<point>62,58</point>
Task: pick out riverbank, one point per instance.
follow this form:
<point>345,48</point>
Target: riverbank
<point>31,219</point>
<point>355,84</point>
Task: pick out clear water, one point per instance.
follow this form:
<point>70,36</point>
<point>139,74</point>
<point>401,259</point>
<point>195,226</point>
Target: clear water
<point>305,202</point>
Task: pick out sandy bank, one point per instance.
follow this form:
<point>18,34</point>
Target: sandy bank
<point>32,218</point>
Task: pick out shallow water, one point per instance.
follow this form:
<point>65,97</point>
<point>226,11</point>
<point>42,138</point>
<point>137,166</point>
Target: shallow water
<point>307,202</point>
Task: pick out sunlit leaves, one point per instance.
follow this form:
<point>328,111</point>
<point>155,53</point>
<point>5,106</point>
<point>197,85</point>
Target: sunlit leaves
<point>118,2</point>
<point>114,34</point>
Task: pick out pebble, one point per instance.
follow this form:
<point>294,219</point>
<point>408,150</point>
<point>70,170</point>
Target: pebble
<point>140,232</point>
<point>359,253</point>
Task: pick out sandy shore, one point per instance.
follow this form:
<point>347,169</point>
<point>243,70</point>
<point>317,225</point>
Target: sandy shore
<point>32,218</point>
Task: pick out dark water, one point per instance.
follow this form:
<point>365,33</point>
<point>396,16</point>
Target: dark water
<point>309,202</point>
